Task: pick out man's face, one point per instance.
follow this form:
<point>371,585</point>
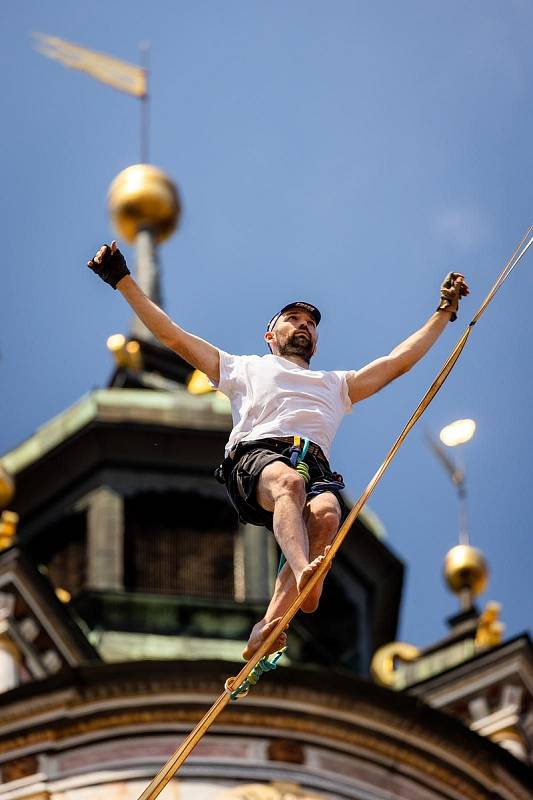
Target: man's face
<point>294,334</point>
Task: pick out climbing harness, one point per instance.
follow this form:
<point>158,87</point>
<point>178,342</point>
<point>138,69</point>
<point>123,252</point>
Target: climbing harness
<point>168,770</point>
<point>297,456</point>
<point>267,664</point>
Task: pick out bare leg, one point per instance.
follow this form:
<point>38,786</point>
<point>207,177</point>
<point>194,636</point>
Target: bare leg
<point>281,490</point>
<point>322,517</point>
<point>284,593</point>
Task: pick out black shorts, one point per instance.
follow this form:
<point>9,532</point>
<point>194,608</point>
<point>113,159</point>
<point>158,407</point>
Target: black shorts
<point>241,471</point>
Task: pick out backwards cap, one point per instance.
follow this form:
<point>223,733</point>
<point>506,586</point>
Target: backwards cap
<point>313,310</point>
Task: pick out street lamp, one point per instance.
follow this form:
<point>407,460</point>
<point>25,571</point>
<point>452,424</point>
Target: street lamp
<point>465,568</point>
<point>458,432</point>
<point>452,435</point>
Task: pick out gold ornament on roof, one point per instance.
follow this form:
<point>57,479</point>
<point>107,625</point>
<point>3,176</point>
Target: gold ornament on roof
<point>465,568</point>
<point>490,629</point>
<point>8,528</point>
<point>385,661</point>
<point>7,487</point>
<point>126,352</point>
<point>63,594</point>
<point>199,383</point>
<point>143,197</point>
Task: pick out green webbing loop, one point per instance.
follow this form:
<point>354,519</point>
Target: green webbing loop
<point>303,470</point>
<point>300,465</point>
<point>265,665</point>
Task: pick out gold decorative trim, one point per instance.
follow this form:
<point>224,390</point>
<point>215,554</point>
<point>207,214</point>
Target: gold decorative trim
<point>19,768</point>
<point>383,667</point>
<point>268,791</point>
<point>9,646</point>
<point>38,796</point>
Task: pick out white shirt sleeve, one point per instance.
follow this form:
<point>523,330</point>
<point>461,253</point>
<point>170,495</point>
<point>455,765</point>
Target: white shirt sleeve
<point>345,396</point>
<point>229,373</point>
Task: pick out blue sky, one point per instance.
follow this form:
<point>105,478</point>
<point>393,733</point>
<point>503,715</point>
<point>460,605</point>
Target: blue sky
<point>349,153</point>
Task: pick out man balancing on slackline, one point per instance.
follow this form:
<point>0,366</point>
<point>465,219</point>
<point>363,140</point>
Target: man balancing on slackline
<point>285,417</point>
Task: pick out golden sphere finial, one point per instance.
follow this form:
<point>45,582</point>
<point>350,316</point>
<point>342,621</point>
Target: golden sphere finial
<point>465,568</point>
<point>143,196</point>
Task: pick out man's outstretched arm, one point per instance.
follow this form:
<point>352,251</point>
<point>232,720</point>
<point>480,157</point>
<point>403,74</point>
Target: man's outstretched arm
<point>379,373</point>
<point>110,265</point>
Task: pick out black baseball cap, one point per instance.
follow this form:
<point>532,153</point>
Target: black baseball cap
<point>313,310</point>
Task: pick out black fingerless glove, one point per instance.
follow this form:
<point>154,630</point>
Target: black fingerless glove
<point>450,293</point>
<point>112,267</point>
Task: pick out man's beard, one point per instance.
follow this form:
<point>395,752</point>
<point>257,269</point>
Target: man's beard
<point>297,345</point>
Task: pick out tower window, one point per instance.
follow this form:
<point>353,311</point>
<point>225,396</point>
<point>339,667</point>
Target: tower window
<point>181,544</point>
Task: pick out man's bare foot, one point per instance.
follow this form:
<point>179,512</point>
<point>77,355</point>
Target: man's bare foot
<point>311,602</point>
<point>259,633</point>
<point>310,569</point>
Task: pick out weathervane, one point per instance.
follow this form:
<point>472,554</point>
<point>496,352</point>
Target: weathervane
<point>121,75</point>
<point>143,201</point>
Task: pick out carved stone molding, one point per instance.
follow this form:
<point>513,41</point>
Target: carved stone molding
<point>268,791</point>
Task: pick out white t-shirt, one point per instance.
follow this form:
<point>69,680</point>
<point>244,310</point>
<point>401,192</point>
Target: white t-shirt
<point>270,396</point>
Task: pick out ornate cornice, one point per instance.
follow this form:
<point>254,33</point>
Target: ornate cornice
<point>349,716</point>
<point>377,746</point>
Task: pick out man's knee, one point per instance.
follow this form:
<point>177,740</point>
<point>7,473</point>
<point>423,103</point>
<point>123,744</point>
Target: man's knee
<point>277,481</point>
<point>289,484</point>
<point>324,514</point>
